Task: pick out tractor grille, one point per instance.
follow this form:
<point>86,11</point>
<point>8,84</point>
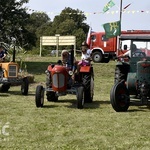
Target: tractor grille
<point>12,71</point>
<point>58,80</point>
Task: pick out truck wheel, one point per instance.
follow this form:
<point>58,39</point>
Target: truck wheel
<point>5,87</point>
<point>97,57</point>
<point>25,86</point>
<point>80,97</point>
<point>39,96</point>
<point>119,97</point>
<point>51,96</point>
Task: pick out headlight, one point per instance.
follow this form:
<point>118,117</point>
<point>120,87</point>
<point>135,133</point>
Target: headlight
<point>71,73</point>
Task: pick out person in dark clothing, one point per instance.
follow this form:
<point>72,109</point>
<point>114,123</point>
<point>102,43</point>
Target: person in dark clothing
<point>2,54</point>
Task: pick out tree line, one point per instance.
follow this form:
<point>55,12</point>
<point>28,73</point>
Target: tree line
<point>27,28</point>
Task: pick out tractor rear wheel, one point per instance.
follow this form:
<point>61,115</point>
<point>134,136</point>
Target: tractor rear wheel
<point>119,97</point>
<point>25,86</point>
<point>80,97</point>
<point>89,88</point>
<point>51,96</point>
<point>121,72</point>
<point>39,96</point>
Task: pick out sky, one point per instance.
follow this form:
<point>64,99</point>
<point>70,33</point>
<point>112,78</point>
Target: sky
<point>135,17</point>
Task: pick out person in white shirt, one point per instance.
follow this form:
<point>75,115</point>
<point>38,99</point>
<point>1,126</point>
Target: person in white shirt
<point>86,55</point>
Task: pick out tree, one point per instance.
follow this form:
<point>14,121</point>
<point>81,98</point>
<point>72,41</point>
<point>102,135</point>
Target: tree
<point>39,24</point>
<point>13,18</point>
<point>71,22</point>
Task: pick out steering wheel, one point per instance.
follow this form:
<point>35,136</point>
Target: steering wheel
<point>139,54</point>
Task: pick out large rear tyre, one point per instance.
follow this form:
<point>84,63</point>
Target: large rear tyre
<point>119,97</point>
<point>25,86</point>
<point>121,72</point>
<point>39,96</point>
<point>80,97</point>
<point>89,90</point>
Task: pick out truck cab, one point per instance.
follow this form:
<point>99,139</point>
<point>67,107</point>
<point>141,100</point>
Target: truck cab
<point>103,49</point>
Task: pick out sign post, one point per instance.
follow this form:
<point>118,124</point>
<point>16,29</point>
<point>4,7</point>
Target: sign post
<point>57,41</point>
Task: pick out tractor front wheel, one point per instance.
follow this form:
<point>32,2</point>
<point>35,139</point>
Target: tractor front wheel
<point>39,96</point>
<point>5,87</point>
<point>119,97</point>
<point>80,97</point>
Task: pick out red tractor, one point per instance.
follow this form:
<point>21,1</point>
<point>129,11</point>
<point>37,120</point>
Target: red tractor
<point>59,82</point>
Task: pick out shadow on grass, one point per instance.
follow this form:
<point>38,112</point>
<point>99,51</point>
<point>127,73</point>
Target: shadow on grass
<point>73,104</point>
<point>9,93</point>
<point>93,105</point>
<point>49,106</point>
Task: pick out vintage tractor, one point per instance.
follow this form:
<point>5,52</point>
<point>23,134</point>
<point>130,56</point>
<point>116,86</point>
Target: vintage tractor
<point>59,82</point>
<point>9,75</point>
<point>132,77</point>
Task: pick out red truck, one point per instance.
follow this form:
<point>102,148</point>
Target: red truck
<point>104,49</point>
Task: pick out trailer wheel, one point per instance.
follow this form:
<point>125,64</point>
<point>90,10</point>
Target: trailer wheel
<point>25,86</point>
<point>80,97</point>
<point>119,97</point>
<point>51,96</point>
<point>39,96</point>
<point>97,57</point>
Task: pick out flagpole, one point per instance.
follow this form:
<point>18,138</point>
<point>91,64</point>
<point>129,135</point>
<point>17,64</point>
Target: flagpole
<point>120,11</point>
<point>118,41</point>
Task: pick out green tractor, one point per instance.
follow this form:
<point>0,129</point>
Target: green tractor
<point>132,73</point>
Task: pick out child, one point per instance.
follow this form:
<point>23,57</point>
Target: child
<point>86,55</point>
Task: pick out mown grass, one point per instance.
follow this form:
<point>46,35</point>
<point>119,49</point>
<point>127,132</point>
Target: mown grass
<point>61,126</point>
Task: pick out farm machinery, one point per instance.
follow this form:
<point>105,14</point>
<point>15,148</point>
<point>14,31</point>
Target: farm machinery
<point>132,75</point>
<point>59,82</point>
<point>9,74</point>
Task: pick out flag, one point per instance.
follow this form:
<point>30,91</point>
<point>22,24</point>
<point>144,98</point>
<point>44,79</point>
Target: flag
<point>112,29</point>
<point>108,6</point>
<point>88,36</point>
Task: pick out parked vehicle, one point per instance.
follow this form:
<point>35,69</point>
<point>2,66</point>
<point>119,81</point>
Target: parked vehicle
<point>59,82</point>
<point>9,75</point>
<point>132,77</point>
<point>104,49</point>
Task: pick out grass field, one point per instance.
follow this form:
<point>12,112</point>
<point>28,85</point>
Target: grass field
<point>61,126</point>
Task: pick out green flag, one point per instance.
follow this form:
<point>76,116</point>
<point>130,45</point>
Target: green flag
<point>108,6</point>
<point>112,29</point>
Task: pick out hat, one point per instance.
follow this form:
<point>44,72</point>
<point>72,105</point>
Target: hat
<point>64,51</point>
